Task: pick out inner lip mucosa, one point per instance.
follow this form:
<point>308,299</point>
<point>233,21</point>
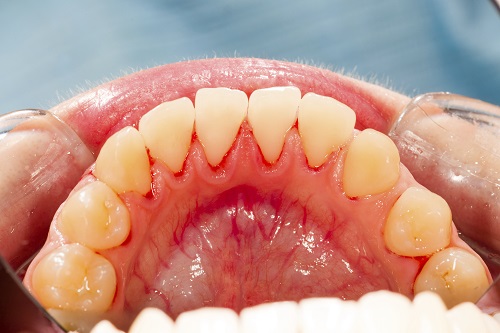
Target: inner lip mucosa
<point>247,231</point>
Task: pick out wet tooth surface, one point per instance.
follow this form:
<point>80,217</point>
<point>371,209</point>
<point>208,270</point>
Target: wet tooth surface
<point>371,165</point>
<point>418,224</point>
<point>123,163</point>
<point>208,320</point>
<point>279,317</point>
<point>95,217</point>
<point>73,277</point>
<point>167,131</point>
<point>384,311</point>
<point>271,114</point>
<point>328,315</point>
<point>219,113</point>
<point>430,314</point>
<point>152,320</point>
<point>325,125</point>
<point>454,274</point>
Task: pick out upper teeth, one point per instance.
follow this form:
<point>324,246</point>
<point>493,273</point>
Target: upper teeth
<point>97,219</point>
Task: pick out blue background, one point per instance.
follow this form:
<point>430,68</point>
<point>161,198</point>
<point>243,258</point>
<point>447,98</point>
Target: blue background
<point>50,50</point>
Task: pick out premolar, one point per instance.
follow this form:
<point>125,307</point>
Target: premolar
<point>454,274</point>
<point>271,114</point>
<point>418,224</point>
<point>96,217</point>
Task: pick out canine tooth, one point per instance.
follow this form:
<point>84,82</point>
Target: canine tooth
<point>466,317</point>
<point>207,320</point>
<point>73,277</point>
<point>492,325</point>
<point>123,163</point>
<point>418,224</point>
<point>95,217</point>
<point>167,131</point>
<point>325,125</point>
<point>454,274</point>
<point>152,320</point>
<point>371,164</point>
<point>429,314</point>
<point>328,315</point>
<point>270,317</point>
<point>385,311</point>
<point>219,113</point>
<point>271,114</point>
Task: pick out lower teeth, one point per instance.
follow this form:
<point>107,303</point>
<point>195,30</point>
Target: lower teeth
<point>380,311</point>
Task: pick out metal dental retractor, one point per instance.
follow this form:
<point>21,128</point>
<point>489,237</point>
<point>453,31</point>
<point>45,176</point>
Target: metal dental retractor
<point>421,134</point>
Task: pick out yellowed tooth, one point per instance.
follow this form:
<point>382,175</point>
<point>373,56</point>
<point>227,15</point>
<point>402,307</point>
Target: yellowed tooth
<point>73,277</point>
<point>167,131</point>
<point>219,113</point>
<point>454,274</point>
<point>418,224</point>
<point>371,165</point>
<point>325,125</point>
<point>95,217</point>
<point>123,162</point>
<point>271,113</point>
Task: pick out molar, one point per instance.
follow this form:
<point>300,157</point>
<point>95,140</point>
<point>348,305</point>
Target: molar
<point>325,125</point>
<point>371,165</point>
<point>73,277</point>
<point>454,274</point>
<point>219,113</point>
<point>123,162</point>
<point>271,114</point>
<point>419,224</point>
<point>95,217</point>
<point>167,131</point>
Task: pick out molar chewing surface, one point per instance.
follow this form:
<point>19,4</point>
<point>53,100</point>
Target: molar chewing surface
<point>371,167</point>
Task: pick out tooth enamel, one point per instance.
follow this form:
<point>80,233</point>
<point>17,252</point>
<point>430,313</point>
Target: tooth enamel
<point>167,131</point>
<point>328,315</point>
<point>270,317</point>
<point>105,327</point>
<point>95,217</point>
<point>325,125</point>
<point>208,320</point>
<point>466,317</point>
<point>377,312</point>
<point>454,274</point>
<point>430,314</point>
<point>219,113</point>
<point>123,162</point>
<point>152,320</point>
<point>418,224</point>
<point>73,277</point>
<point>371,165</point>
<point>271,114</point>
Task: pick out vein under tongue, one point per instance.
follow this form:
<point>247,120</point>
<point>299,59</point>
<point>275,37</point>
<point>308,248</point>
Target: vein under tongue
<point>247,233</point>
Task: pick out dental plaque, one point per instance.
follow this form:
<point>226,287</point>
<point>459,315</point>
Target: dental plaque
<point>265,211</point>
